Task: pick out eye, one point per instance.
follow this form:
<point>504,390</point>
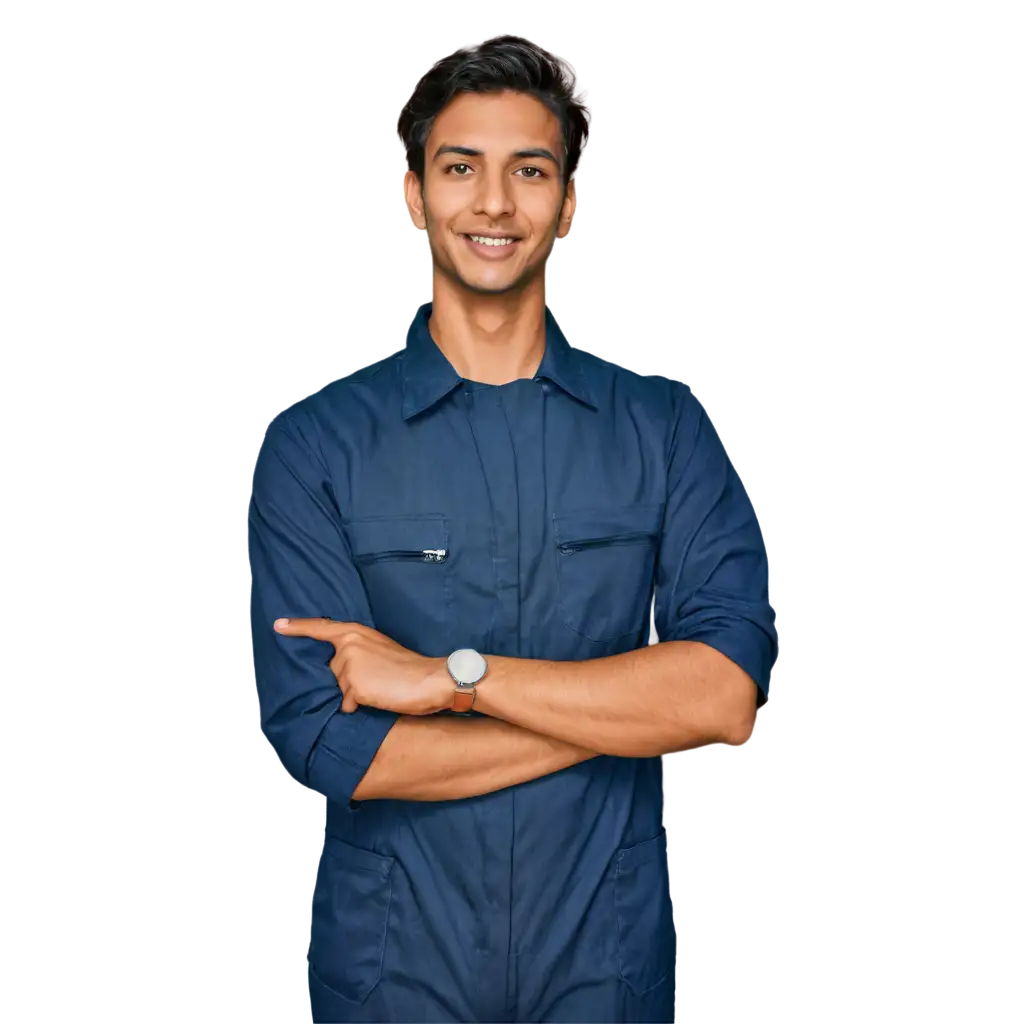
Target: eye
<point>539,174</point>
<point>452,167</point>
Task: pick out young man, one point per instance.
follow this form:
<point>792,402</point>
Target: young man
<point>493,506</point>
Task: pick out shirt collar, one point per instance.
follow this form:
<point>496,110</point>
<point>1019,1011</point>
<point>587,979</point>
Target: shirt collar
<point>427,376</point>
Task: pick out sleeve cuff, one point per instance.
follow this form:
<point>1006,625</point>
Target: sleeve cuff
<point>345,748</point>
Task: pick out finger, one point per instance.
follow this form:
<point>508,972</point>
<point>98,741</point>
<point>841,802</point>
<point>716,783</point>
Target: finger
<point>337,665</point>
<point>350,631</point>
<point>349,704</point>
<point>319,629</point>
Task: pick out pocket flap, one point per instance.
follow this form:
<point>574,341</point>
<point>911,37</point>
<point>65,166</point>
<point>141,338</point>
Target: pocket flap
<point>397,533</point>
<point>601,523</point>
<point>650,849</point>
<point>357,857</point>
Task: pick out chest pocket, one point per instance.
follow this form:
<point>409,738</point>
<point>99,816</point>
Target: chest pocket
<point>405,565</point>
<point>605,562</point>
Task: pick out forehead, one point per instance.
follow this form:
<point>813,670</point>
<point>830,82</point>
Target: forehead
<point>494,122</point>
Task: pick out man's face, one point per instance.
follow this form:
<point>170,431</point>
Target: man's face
<point>492,191</point>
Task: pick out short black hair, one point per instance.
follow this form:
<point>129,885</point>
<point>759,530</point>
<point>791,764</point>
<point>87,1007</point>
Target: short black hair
<point>501,63</point>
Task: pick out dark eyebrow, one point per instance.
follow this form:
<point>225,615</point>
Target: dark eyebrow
<point>538,154</point>
<point>519,154</point>
<point>460,151</point>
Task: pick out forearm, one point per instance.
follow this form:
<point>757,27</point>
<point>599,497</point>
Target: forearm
<point>446,757</point>
<point>643,703</point>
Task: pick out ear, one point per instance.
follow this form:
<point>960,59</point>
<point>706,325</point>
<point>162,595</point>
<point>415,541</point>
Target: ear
<point>414,200</point>
<point>568,209</point>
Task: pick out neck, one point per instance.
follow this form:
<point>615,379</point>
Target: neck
<point>493,339</point>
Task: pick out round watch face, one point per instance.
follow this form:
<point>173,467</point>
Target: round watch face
<point>467,665</point>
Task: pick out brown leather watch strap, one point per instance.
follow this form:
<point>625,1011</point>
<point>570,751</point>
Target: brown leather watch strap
<point>463,699</point>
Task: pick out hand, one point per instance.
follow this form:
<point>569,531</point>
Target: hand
<point>372,669</point>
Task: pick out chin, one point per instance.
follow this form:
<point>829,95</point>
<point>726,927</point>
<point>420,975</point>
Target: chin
<point>492,286</point>
<point>500,288</point>
<point>481,290</point>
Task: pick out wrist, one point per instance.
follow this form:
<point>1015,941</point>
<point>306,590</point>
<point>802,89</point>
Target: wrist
<point>442,684</point>
<point>497,666</point>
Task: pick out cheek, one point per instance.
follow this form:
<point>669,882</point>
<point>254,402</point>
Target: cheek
<point>543,223</point>
<point>440,207</point>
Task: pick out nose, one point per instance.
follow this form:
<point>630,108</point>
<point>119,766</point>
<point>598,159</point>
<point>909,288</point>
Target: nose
<point>494,196</point>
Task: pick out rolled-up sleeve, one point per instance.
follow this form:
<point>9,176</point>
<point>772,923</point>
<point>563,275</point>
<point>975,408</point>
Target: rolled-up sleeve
<point>302,567</point>
<point>712,575</point>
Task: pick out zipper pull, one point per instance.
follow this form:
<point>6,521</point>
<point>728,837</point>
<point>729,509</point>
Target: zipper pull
<point>435,554</point>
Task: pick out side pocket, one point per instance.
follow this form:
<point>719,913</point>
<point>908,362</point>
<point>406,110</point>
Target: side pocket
<point>351,906</point>
<point>647,935</point>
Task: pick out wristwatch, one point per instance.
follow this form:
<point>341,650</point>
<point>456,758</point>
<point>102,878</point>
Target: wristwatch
<point>467,668</point>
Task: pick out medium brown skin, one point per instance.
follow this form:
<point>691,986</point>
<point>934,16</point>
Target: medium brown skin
<point>447,758</point>
<point>569,710</point>
<point>488,317</point>
<point>427,758</point>
<point>488,320</point>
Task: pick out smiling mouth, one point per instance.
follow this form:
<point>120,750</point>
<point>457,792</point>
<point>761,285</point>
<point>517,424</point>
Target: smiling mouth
<point>490,241</point>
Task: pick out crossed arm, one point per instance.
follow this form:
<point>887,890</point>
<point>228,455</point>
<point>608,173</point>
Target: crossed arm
<point>711,612</point>
<point>542,716</point>
<point>443,757</point>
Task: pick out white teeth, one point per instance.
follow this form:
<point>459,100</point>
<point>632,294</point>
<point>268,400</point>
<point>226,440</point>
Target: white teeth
<point>492,241</point>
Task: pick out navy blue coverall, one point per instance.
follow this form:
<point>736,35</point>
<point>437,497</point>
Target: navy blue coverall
<point>532,519</point>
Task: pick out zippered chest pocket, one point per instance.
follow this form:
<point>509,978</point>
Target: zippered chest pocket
<point>404,564</point>
<point>605,562</point>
